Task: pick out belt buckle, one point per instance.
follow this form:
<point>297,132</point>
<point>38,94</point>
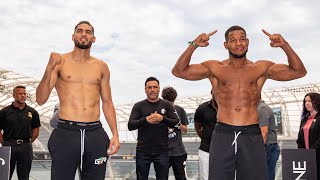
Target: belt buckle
<point>19,141</point>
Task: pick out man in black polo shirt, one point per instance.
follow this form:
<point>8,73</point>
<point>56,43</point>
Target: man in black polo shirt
<point>20,124</point>
<point>205,119</point>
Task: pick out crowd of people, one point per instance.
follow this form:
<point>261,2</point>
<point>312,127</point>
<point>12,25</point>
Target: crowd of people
<point>234,118</point>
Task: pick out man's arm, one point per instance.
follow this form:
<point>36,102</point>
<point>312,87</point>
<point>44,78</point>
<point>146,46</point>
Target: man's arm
<point>49,79</point>
<point>183,128</point>
<point>108,109</point>
<point>282,72</point>
<point>197,121</point>
<point>2,119</point>
<point>184,121</point>
<point>35,124</point>
<point>171,118</point>
<point>264,118</point>
<point>264,132</point>
<point>35,134</point>
<point>183,69</point>
<point>1,136</point>
<point>170,122</point>
<point>197,126</point>
<point>135,119</point>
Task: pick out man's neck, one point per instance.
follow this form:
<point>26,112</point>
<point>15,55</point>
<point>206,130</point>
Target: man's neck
<point>80,55</point>
<point>237,62</point>
<point>153,100</point>
<point>19,105</point>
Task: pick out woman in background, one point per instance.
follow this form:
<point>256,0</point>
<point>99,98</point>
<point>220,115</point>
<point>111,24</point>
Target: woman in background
<point>309,133</point>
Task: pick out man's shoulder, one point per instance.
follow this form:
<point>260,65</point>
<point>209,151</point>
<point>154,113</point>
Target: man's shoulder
<point>204,104</point>
<point>212,63</point>
<point>140,102</point>
<point>263,105</point>
<point>263,62</point>
<point>100,61</point>
<point>178,107</point>
<point>67,58</point>
<point>6,108</point>
<point>31,109</point>
<point>164,101</point>
<point>201,107</point>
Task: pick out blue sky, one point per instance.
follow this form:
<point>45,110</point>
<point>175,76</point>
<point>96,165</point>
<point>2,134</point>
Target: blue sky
<point>144,38</point>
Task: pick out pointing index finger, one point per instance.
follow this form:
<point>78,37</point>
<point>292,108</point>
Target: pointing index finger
<point>266,33</point>
<point>212,33</point>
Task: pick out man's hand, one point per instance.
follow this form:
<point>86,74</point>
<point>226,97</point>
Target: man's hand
<point>55,59</point>
<point>203,39</point>
<point>114,145</point>
<point>154,118</point>
<point>276,39</point>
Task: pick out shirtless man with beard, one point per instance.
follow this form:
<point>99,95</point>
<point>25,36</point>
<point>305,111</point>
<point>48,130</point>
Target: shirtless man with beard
<point>80,80</point>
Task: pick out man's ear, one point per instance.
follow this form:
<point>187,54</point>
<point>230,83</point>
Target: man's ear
<point>225,45</point>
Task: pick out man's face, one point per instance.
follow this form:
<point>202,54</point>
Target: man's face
<point>20,96</point>
<point>83,36</point>
<point>237,44</point>
<point>152,90</point>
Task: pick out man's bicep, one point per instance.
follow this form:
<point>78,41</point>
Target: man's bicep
<point>184,118</point>
<point>197,116</point>
<point>105,88</point>
<point>195,72</point>
<point>197,125</point>
<point>264,116</point>
<point>281,72</point>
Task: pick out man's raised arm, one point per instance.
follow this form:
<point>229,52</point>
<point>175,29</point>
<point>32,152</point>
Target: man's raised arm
<point>282,72</point>
<point>49,79</point>
<point>183,69</point>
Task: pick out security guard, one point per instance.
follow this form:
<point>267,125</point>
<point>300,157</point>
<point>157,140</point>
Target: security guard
<point>20,124</point>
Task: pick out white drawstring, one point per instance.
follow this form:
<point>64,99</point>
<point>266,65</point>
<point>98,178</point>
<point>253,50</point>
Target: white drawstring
<point>82,135</point>
<point>235,148</point>
<point>235,141</point>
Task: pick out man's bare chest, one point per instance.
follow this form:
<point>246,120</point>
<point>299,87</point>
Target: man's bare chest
<point>81,73</point>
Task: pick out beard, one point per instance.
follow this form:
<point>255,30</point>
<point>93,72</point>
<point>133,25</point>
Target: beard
<point>238,55</point>
<point>81,45</point>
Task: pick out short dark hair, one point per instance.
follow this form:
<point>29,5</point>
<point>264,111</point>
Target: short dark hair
<point>84,22</point>
<point>315,100</point>
<point>18,87</point>
<point>169,93</point>
<point>151,79</point>
<point>233,28</point>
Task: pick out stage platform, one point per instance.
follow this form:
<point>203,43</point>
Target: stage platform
<point>122,166</point>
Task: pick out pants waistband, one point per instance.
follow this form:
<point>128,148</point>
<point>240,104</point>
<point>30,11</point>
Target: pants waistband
<point>17,141</point>
<point>250,129</point>
<point>74,125</point>
<point>271,144</point>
